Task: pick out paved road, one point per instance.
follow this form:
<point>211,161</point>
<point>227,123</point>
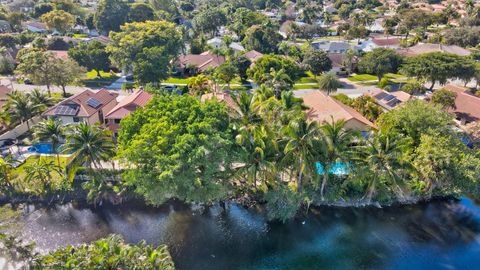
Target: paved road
<point>348,88</point>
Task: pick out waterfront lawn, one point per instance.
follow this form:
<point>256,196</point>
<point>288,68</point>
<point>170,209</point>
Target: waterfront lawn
<point>20,174</point>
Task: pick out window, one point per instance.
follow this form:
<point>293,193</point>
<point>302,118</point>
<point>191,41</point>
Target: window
<point>117,121</point>
<point>76,119</point>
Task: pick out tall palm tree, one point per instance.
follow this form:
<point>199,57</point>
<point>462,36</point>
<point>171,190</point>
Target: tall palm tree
<point>6,165</point>
<point>89,145</point>
<point>279,81</point>
<point>329,83</point>
<point>52,131</point>
<point>22,108</point>
<point>41,171</point>
<point>198,85</point>
<point>382,155</point>
<point>301,148</point>
<point>40,98</point>
<point>336,140</point>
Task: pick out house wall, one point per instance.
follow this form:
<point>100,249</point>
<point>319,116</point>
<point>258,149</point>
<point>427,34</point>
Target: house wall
<point>356,125</point>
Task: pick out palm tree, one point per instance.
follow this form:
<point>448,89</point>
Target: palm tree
<point>301,148</point>
<point>89,145</point>
<point>279,81</point>
<point>22,108</point>
<point>41,171</point>
<point>329,83</point>
<point>41,98</point>
<point>382,156</point>
<point>6,165</point>
<point>336,140</point>
<point>198,85</point>
<point>50,130</point>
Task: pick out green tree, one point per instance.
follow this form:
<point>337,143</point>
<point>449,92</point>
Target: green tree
<point>151,65</point>
<point>414,118</point>
<point>379,62</point>
<point>140,12</point>
<point>92,55</point>
<point>243,19</point>
<point>50,131</point>
<point>198,85</point>
<point>66,72</point>
<point>444,98</point>
<point>263,38</point>
<point>329,83</point>
<point>367,107</point>
<point>278,81</point>
<point>22,108</point>
<point>335,141</point>
<point>226,73</point>
<point>187,141</point>
<point>110,15</point>
<point>209,20</point>
<point>8,41</point>
<point>317,62</point>
<point>108,253</point>
<point>38,66</point>
<point>241,63</point>
<point>6,167</point>
<point>41,172</point>
<point>40,98</point>
<point>145,43</point>
<point>437,67</point>
<point>59,20</point>
<point>301,149</point>
<point>264,65</point>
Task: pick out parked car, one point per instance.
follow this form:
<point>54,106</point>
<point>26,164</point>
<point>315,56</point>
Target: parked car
<point>27,81</point>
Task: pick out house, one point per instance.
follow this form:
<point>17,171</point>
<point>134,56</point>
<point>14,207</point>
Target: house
<point>331,46</point>
<point>253,55</point>
<point>389,100</point>
<point>377,26</point>
<point>215,43</point>
<point>125,106</point>
<point>323,108</point>
<point>87,106</point>
<point>198,63</point>
<point>57,54</point>
<point>4,91</point>
<point>236,47</point>
<point>5,27</point>
<point>221,97</point>
<point>428,48</point>
<point>390,43</point>
<point>467,106</point>
<point>337,63</point>
<point>35,27</point>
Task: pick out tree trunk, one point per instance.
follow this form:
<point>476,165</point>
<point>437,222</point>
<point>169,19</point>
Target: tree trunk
<point>28,125</point>
<point>324,182</point>
<point>98,73</point>
<point>64,91</point>
<point>433,84</point>
<point>299,178</point>
<point>48,90</point>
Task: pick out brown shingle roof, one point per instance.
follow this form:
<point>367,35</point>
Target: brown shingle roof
<point>201,61</point>
<point>59,54</point>
<point>322,108</point>
<point>80,100</point>
<point>467,106</point>
<point>129,104</point>
<point>253,55</point>
<point>222,97</point>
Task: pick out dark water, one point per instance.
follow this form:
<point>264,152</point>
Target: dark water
<point>437,235</point>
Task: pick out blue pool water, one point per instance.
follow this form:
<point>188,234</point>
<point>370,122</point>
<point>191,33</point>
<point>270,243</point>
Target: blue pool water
<point>338,168</point>
<point>42,148</point>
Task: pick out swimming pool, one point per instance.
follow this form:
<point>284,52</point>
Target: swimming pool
<point>338,168</point>
<point>42,148</point>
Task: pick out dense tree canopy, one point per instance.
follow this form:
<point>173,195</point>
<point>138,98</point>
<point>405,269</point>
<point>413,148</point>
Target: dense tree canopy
<point>263,38</point>
<point>263,66</point>
<point>92,55</point>
<point>177,146</point>
<point>110,15</point>
<point>379,62</point>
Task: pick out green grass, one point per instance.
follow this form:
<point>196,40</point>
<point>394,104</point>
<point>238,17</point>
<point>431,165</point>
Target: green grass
<point>105,76</point>
<point>306,80</point>
<point>79,35</point>
<point>177,80</point>
<point>362,78</point>
<point>20,173</point>
<point>305,86</point>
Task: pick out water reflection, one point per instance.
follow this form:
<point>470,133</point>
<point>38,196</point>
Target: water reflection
<point>437,235</point>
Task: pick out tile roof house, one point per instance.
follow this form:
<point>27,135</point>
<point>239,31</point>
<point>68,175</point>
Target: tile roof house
<point>323,108</point>
<point>221,97</point>
<point>125,106</point>
<point>87,106</point>
<point>467,106</point>
<point>428,48</point>
<point>198,63</point>
<point>35,26</point>
<point>253,55</point>
<point>332,47</point>
<point>389,100</point>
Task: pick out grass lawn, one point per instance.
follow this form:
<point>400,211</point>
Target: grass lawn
<point>362,78</point>
<point>174,80</point>
<point>306,80</point>
<point>20,172</point>
<point>92,80</point>
<point>305,86</point>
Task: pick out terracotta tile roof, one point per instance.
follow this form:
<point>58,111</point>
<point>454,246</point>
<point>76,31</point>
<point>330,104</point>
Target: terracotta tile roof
<point>467,106</point>
<point>322,108</point>
<point>81,100</point>
<point>428,48</point>
<point>59,54</point>
<point>129,104</point>
<point>201,61</point>
<point>386,41</point>
<point>222,97</point>
<point>253,55</point>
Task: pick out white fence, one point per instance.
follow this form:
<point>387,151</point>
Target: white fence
<point>19,130</point>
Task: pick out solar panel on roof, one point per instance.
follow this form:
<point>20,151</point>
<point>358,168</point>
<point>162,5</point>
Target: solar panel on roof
<point>389,97</point>
<point>94,103</point>
<point>380,95</point>
<point>393,102</point>
<point>66,110</point>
